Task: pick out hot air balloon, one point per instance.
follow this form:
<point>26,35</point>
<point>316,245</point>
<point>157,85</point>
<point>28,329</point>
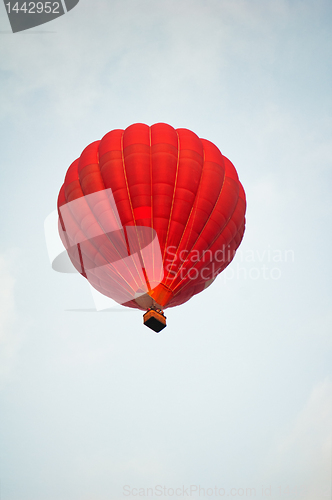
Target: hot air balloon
<point>150,216</point>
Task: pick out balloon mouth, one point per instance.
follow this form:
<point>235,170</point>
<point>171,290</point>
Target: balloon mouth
<point>161,294</point>
<point>157,298</point>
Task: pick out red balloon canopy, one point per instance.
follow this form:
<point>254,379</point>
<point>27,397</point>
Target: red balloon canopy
<point>151,215</point>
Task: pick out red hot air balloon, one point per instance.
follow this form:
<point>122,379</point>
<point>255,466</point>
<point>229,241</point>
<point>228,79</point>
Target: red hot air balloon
<point>151,215</point>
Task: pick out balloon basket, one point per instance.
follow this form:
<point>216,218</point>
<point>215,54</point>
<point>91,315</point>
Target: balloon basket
<point>154,320</point>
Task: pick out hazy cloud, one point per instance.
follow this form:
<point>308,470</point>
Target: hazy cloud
<point>9,338</point>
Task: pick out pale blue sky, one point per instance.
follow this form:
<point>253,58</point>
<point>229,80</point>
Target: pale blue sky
<point>237,391</point>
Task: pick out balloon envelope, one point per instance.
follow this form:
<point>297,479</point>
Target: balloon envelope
<point>151,215</point>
